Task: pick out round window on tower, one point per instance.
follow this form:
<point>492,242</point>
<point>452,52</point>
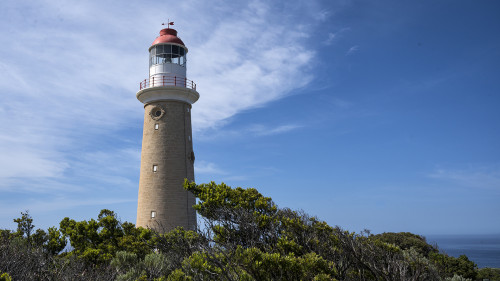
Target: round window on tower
<point>157,112</point>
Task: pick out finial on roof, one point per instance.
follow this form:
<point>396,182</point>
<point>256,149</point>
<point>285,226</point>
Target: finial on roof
<point>169,23</point>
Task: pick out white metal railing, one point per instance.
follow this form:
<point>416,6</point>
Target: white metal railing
<point>167,80</point>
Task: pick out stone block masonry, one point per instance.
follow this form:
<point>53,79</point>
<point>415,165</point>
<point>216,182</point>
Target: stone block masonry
<point>167,159</point>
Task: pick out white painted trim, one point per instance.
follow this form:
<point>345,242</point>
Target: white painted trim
<point>153,94</point>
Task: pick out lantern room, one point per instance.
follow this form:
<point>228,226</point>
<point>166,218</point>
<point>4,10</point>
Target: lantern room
<point>167,71</point>
<point>167,56</point>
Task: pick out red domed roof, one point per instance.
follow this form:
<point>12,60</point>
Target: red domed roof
<point>168,35</point>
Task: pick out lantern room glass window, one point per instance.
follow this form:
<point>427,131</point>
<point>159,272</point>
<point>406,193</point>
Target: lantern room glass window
<point>167,53</point>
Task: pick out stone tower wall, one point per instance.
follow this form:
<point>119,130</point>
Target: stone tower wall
<point>169,147</point>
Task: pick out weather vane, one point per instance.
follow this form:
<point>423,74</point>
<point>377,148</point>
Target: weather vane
<point>169,23</point>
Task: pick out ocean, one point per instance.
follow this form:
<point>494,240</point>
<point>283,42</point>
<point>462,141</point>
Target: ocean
<point>484,250</point>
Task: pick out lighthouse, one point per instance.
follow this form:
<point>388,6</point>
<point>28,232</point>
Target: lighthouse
<point>167,156</point>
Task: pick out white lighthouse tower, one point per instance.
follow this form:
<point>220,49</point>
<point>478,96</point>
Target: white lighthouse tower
<point>167,156</point>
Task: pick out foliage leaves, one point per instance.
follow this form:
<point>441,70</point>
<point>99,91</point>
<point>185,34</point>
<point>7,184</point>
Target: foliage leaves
<point>97,241</point>
<point>243,236</point>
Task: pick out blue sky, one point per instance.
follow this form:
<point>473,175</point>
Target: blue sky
<point>368,114</point>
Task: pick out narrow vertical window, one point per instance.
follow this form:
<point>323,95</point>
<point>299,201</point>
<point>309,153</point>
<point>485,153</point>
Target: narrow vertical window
<point>189,137</point>
<point>157,126</point>
<point>188,109</point>
<point>175,49</point>
<point>155,168</point>
<point>153,214</point>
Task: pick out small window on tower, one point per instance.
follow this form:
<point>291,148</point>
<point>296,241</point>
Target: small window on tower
<point>153,214</point>
<point>188,109</point>
<point>155,168</point>
<point>157,126</point>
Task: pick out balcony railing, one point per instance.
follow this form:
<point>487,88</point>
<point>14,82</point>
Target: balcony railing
<point>166,80</point>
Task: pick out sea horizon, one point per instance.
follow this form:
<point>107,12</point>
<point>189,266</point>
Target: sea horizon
<point>482,249</point>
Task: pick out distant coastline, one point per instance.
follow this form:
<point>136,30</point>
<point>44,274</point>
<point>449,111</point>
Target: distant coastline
<point>483,249</point>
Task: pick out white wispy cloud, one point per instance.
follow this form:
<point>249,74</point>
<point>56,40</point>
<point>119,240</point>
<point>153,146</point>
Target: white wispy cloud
<point>252,130</point>
<point>70,71</point>
<point>340,103</point>
<point>207,168</point>
<point>96,169</point>
<point>55,203</point>
<point>483,176</point>
<point>352,50</point>
<point>210,171</point>
<point>333,36</point>
<point>262,130</point>
<point>259,61</point>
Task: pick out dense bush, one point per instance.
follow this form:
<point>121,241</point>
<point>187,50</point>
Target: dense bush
<point>244,236</point>
<point>493,274</point>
